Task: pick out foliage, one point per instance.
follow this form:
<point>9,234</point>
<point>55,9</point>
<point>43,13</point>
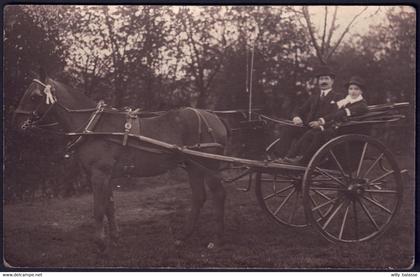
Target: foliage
<point>162,57</point>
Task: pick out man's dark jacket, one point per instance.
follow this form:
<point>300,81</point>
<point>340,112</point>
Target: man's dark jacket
<point>315,107</point>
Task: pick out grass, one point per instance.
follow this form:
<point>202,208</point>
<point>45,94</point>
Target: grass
<point>57,234</point>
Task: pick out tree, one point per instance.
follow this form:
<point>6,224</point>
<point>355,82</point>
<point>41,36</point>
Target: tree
<point>322,40</point>
<point>120,46</point>
<point>202,45</point>
<point>280,60</point>
<point>27,46</point>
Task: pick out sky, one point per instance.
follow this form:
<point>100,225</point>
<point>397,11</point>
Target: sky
<point>372,16</point>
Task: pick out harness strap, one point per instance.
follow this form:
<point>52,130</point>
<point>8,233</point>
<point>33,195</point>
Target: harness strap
<point>128,126</point>
<point>90,126</point>
<point>209,129</point>
<point>197,113</point>
<point>94,118</point>
<point>201,118</point>
<point>136,122</point>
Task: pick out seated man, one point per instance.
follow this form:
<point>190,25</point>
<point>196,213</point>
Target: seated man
<point>323,129</point>
<point>320,103</point>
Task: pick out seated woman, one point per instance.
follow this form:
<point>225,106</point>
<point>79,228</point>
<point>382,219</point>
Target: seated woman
<point>324,128</point>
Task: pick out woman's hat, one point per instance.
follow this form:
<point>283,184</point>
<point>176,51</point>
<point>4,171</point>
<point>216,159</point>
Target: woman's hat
<point>356,80</point>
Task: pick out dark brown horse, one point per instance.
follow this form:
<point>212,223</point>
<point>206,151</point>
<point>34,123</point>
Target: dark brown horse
<point>104,156</point>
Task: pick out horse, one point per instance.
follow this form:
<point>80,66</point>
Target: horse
<point>104,157</point>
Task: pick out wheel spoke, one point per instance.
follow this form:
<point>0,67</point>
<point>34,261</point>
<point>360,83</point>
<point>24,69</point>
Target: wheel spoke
<point>347,150</point>
<point>376,185</point>
<point>327,184</point>
<point>319,179</point>
<point>284,201</point>
<point>329,175</point>
<point>356,224</point>
<point>295,206</point>
<point>324,204</point>
<point>340,236</point>
<point>364,208</point>
<point>381,191</point>
<point>315,204</point>
<point>373,165</point>
<point>383,176</point>
<point>361,159</point>
<point>276,180</point>
<point>337,162</point>
<point>322,195</point>
<point>376,203</point>
<point>278,192</point>
<point>332,215</point>
<point>326,188</point>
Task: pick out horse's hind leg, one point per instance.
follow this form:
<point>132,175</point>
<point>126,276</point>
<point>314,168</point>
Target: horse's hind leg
<point>196,179</point>
<point>218,193</point>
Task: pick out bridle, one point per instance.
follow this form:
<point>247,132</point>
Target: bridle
<point>35,119</point>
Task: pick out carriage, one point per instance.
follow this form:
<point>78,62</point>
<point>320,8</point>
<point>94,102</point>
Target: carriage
<point>350,190</point>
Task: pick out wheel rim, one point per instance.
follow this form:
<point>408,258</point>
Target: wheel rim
<point>349,197</point>
<point>281,197</point>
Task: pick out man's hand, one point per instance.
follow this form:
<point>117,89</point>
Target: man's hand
<point>315,124</point>
<point>297,120</point>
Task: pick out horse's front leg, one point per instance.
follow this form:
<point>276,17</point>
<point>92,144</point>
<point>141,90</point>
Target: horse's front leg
<point>102,204</point>
<point>198,198</point>
<point>110,214</point>
<point>218,191</point>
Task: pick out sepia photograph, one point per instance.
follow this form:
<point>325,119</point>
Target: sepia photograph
<point>224,137</point>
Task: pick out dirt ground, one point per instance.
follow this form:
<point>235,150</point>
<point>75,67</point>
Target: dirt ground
<point>56,233</point>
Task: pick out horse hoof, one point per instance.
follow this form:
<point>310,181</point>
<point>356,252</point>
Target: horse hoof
<point>216,244</point>
<point>178,242</point>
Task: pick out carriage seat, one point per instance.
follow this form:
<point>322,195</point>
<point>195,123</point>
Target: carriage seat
<point>376,114</point>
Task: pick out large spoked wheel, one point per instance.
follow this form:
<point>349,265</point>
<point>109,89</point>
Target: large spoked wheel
<point>352,188</point>
<point>280,197</point>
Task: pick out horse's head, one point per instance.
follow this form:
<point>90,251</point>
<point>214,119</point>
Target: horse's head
<point>35,104</point>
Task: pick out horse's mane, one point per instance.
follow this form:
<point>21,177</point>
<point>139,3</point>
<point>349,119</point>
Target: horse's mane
<point>75,94</point>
